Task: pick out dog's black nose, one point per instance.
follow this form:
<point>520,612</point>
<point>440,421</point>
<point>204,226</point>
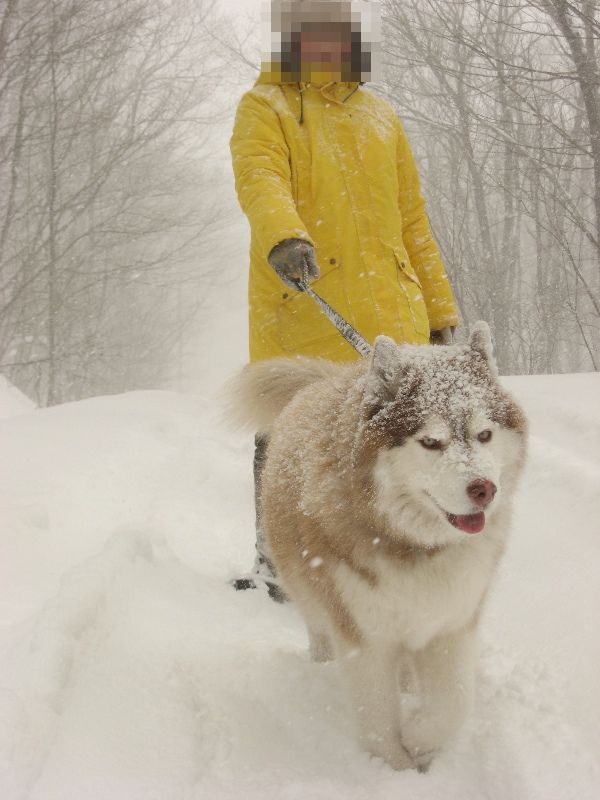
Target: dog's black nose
<point>481,492</point>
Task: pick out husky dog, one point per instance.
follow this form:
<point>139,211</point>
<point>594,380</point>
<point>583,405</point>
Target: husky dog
<point>386,502</point>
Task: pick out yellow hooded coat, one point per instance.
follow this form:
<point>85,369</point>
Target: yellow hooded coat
<point>331,164</point>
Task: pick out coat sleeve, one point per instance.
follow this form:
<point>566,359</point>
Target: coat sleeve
<point>420,245</point>
<point>261,166</point>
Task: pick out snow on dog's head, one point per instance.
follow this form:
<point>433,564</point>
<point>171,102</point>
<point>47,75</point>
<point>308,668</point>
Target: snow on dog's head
<point>449,440</point>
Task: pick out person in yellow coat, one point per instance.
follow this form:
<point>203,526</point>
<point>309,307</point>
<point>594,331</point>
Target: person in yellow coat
<point>326,176</point>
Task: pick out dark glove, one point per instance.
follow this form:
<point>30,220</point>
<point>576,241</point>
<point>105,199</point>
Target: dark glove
<point>443,336</point>
<point>294,260</point>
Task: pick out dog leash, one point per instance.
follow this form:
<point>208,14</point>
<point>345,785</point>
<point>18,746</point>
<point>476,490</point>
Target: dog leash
<point>350,334</point>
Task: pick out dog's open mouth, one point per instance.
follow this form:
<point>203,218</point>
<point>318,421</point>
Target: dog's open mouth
<point>469,523</point>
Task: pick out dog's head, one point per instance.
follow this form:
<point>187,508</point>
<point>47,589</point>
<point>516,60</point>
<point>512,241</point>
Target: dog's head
<point>448,440</point>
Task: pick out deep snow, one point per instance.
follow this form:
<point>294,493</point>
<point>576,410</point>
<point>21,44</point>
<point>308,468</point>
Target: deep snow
<point>130,669</point>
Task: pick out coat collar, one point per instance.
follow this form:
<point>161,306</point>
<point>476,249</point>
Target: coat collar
<point>338,91</point>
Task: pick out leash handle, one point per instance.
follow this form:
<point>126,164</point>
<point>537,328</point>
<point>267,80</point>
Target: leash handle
<point>350,334</point>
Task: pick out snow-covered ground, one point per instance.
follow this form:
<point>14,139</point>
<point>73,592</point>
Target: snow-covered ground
<point>130,669</point>
<point>13,401</point>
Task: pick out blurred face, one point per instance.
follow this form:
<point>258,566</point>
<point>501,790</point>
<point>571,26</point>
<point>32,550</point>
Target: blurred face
<point>325,49</point>
<point>317,40</point>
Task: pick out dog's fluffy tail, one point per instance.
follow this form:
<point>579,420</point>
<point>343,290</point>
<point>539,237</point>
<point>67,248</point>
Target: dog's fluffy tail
<point>260,392</point>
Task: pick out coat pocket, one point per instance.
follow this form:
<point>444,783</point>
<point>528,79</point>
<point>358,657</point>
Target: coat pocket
<point>411,288</point>
<point>405,267</point>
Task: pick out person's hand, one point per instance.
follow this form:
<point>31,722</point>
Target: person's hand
<point>443,336</point>
<point>293,260</point>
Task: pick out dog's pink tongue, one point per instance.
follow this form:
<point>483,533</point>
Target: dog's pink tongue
<point>469,523</point>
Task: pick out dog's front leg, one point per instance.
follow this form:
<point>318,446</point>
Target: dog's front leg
<point>444,672</point>
<point>372,675</point>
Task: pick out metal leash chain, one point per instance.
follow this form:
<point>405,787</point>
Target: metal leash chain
<point>349,333</point>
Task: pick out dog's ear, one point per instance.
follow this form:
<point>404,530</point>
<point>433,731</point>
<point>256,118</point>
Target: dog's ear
<point>384,374</point>
<point>480,341</point>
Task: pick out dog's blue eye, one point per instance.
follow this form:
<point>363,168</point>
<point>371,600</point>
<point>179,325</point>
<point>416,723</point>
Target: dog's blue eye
<point>484,436</point>
<point>431,444</point>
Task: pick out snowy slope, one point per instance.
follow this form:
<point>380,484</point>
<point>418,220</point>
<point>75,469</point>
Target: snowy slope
<point>130,669</point>
<point>13,401</point>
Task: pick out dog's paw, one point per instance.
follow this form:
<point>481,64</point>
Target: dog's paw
<point>422,760</point>
<point>421,743</point>
<point>391,750</point>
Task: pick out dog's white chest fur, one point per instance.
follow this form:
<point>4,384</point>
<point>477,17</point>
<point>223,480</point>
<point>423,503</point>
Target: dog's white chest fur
<point>414,602</point>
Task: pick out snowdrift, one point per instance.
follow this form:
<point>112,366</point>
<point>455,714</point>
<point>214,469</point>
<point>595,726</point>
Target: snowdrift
<point>130,669</point>
<point>13,401</point>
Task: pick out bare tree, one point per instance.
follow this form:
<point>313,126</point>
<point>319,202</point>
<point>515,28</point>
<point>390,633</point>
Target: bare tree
<point>104,142</point>
<point>508,93</point>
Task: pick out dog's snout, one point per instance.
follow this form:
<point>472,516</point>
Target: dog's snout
<point>481,492</point>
